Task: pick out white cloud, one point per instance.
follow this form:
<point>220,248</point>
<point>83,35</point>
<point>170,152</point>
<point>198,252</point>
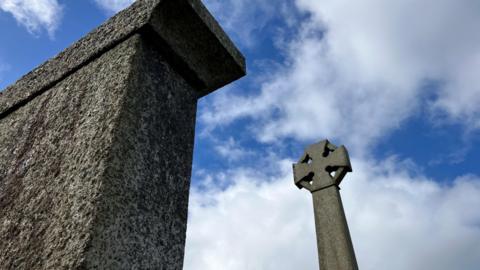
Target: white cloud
<point>244,19</point>
<point>35,15</point>
<point>231,150</point>
<point>356,71</point>
<point>460,97</point>
<point>405,43</point>
<point>113,6</point>
<point>397,221</point>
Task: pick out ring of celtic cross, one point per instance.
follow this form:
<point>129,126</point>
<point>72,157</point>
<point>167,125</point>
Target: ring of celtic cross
<point>322,165</point>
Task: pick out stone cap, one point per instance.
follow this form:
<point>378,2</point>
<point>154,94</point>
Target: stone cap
<point>183,29</point>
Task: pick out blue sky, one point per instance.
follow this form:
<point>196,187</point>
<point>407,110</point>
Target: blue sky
<point>395,82</point>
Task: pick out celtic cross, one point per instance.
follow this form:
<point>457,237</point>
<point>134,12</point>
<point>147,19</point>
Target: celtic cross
<point>320,170</point>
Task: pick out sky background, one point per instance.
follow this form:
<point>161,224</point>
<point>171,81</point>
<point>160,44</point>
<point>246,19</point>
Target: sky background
<point>395,81</point>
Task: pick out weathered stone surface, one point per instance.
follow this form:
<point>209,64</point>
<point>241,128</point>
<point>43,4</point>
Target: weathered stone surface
<point>53,159</point>
<point>96,144</point>
<point>335,248</point>
<point>320,160</point>
<point>320,170</point>
<point>142,210</point>
<point>195,43</point>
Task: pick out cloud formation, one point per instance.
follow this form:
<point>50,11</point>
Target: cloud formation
<point>35,15</point>
<point>398,220</point>
<point>231,150</point>
<point>113,6</point>
<point>252,15</point>
<point>353,72</point>
<point>357,71</point>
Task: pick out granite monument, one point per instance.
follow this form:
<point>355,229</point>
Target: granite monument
<point>96,144</point>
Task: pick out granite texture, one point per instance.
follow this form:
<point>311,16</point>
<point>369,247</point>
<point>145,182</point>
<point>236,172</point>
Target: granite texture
<point>211,62</point>
<point>142,211</point>
<point>95,171</point>
<point>96,144</point>
<point>335,248</point>
<point>53,158</point>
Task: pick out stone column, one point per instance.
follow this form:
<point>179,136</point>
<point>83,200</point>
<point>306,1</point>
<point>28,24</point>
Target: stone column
<point>96,144</point>
<point>320,170</point>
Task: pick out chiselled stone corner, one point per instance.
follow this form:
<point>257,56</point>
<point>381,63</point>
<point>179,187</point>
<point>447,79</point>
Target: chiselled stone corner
<point>194,35</point>
<point>322,165</point>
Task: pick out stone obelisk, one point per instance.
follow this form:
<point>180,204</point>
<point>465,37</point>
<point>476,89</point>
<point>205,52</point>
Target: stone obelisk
<point>96,144</point>
<point>320,170</point>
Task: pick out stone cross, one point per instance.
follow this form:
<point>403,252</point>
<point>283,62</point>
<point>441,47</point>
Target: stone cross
<point>96,143</point>
<point>320,170</point>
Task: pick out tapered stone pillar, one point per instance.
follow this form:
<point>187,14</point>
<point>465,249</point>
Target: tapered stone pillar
<point>320,170</point>
<point>96,144</point>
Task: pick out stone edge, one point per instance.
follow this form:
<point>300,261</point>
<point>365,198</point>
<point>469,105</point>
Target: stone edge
<point>217,30</point>
<point>116,30</point>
